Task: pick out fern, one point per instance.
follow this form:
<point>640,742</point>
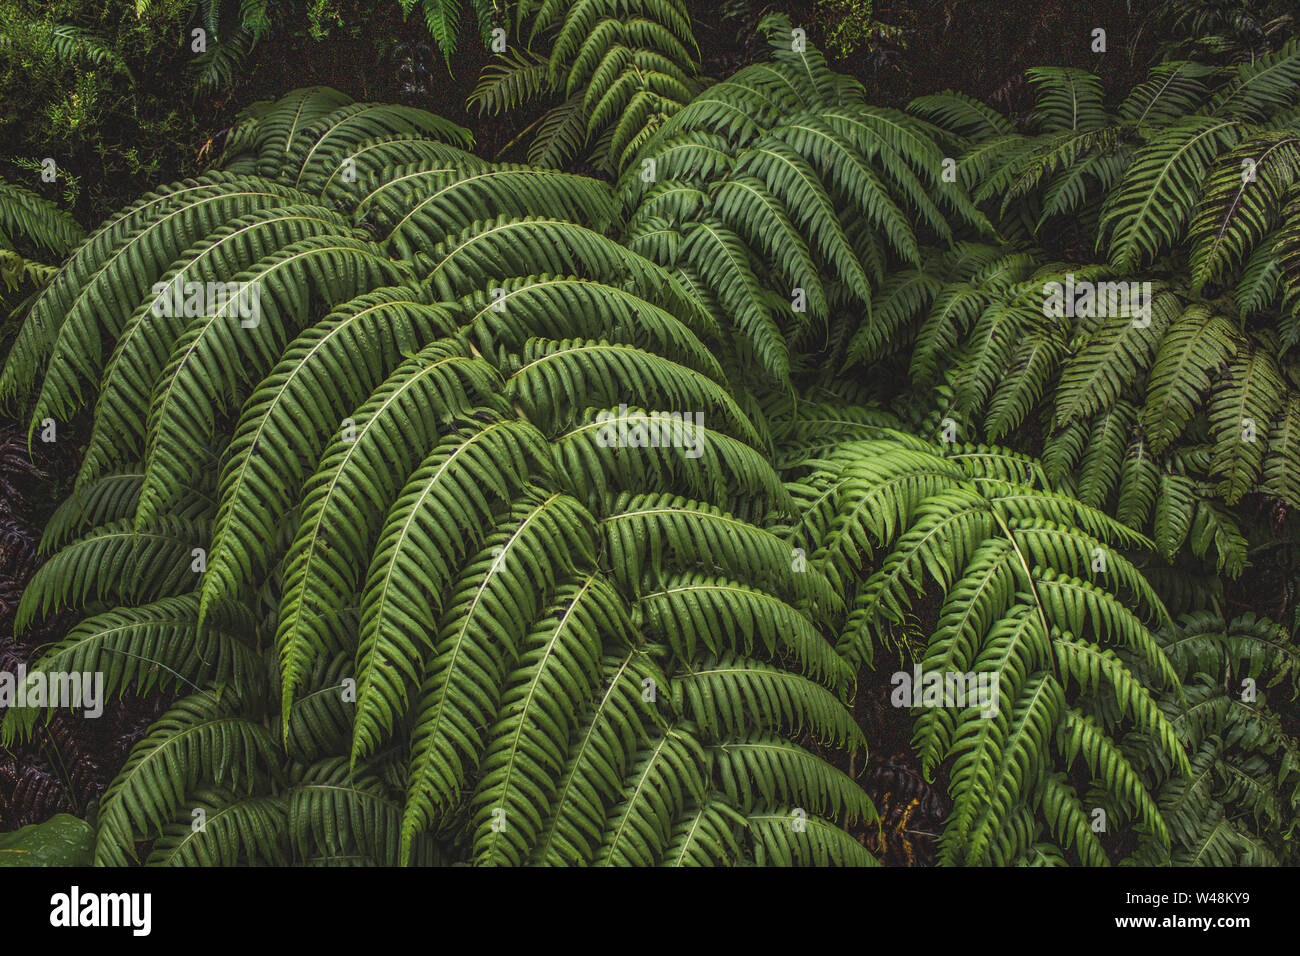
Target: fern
<point>621,68</point>
<point>1239,805</point>
<point>469,626</point>
<point>1195,154</point>
<point>1024,599</point>
<point>428,576</point>
<point>741,192</point>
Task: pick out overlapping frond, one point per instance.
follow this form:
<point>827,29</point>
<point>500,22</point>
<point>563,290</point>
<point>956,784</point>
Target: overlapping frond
<point>407,516</point>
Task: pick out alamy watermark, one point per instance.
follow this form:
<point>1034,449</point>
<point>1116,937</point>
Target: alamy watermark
<point>190,300</point>
<point>62,689</point>
<point>76,909</point>
<point>1085,299</point>
<point>946,689</point>
<point>651,430</point>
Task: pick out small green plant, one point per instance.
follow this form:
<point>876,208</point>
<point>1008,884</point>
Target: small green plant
<point>851,27</point>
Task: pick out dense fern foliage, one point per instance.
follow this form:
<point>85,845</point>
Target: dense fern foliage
<point>1195,159</point>
<point>1163,417</point>
<point>1228,30</point>
<point>1037,593</point>
<point>400,525</point>
<point>1245,780</point>
<point>554,658</point>
<point>31,229</point>
<point>778,196</point>
<point>618,67</point>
